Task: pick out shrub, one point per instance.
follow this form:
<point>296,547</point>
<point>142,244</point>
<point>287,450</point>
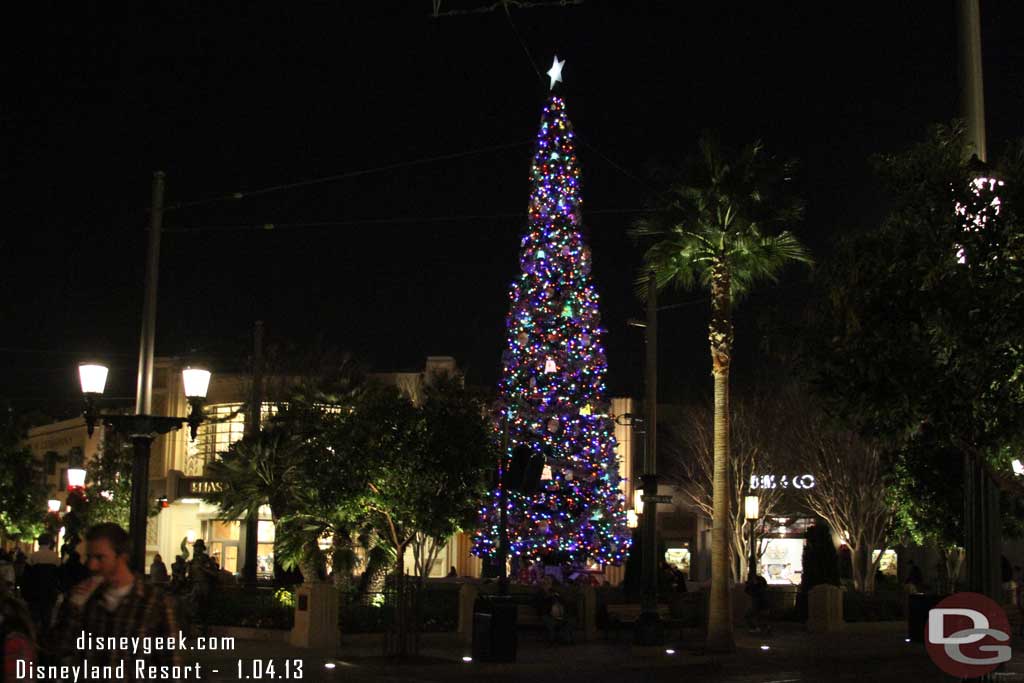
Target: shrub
<point>877,607</point>
<point>260,609</point>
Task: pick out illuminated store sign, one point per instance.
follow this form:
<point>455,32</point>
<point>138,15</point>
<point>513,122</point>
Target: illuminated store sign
<point>772,481</point>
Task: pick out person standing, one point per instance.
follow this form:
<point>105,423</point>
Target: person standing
<point>72,572</point>
<point>45,554</point>
<point>914,580</point>
<point>158,570</point>
<point>114,602</point>
<point>7,574</point>
<point>202,577</point>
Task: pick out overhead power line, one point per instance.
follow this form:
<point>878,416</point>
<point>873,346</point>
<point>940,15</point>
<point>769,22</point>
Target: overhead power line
<point>502,4</point>
<point>398,220</point>
<point>235,196</point>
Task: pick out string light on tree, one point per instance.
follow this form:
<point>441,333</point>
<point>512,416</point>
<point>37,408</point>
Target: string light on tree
<point>981,206</point>
<point>552,385</point>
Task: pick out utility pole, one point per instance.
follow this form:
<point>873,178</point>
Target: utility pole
<point>142,442</point>
<point>144,389</point>
<point>982,521</point>
<point>648,629</point>
<point>252,429</point>
<point>972,88</point>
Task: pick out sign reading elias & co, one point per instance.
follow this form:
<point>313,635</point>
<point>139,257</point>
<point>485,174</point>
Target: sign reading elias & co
<point>190,487</point>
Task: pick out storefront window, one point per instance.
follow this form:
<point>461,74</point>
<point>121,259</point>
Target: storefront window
<point>782,561</point>
<point>678,556</point>
<point>888,563</point>
<point>223,543</point>
<point>265,547</point>
<point>228,531</point>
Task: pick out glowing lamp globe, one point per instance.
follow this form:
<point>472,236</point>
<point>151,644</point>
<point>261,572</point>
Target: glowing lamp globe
<point>750,507</point>
<point>196,381</point>
<point>53,505</point>
<point>93,378</point>
<point>76,478</point>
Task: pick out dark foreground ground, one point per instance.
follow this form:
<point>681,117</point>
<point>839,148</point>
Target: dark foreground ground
<point>864,652</point>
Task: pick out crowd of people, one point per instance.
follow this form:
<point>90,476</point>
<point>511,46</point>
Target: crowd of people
<point>46,601</point>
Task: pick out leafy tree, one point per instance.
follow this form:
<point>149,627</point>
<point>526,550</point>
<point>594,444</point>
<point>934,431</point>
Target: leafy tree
<point>920,331</point>
<point>457,453</point>
<point>22,493</point>
<point>414,469</point>
<point>109,483</point>
<point>719,233</point>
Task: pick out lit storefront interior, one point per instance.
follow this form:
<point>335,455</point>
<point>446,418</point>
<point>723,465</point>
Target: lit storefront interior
<point>781,546</point>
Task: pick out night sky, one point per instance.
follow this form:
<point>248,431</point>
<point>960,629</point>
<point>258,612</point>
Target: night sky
<point>397,261</point>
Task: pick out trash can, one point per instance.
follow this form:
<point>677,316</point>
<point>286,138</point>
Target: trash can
<point>918,606</point>
<point>494,629</point>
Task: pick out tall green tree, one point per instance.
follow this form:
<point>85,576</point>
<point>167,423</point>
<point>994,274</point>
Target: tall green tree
<point>725,230</point>
<point>410,469</point>
<point>22,493</point>
<point>109,483</point>
<point>457,453</point>
<point>919,335</point>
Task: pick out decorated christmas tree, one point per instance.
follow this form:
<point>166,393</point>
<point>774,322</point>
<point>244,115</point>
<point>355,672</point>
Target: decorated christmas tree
<point>551,394</point>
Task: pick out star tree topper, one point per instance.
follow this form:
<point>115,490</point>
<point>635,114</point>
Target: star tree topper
<point>555,72</point>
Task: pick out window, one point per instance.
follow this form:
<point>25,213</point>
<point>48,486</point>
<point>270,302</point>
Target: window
<point>678,555</point>
<point>265,547</point>
<point>226,555</point>
<point>226,531</point>
<point>782,560</point>
<point>225,425</point>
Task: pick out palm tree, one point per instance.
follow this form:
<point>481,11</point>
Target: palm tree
<point>717,233</point>
<point>265,469</point>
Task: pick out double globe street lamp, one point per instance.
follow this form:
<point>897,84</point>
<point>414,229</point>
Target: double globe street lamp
<point>141,430</point>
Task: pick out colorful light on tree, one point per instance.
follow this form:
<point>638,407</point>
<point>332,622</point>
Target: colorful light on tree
<point>552,387</point>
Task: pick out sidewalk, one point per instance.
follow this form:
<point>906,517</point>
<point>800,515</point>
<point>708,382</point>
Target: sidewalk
<point>863,652</point>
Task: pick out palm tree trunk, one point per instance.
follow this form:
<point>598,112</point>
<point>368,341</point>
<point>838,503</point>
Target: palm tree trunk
<point>720,635</point>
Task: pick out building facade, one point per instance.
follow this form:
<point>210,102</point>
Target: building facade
<point>177,470</point>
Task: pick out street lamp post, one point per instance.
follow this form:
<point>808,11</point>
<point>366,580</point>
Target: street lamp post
<point>750,509</point>
<point>141,429</point>
<point>648,631</point>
